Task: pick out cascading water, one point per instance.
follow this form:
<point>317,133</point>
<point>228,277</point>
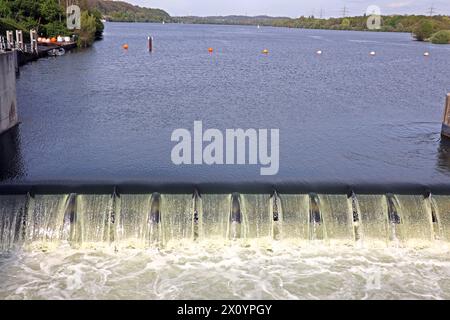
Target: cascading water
<point>215,216</point>
<point>440,206</point>
<point>317,230</point>
<point>12,210</point>
<point>276,214</point>
<point>133,226</point>
<point>295,217</point>
<point>94,220</point>
<point>373,220</point>
<point>414,227</point>
<point>224,245</point>
<point>177,217</point>
<point>48,220</point>
<point>256,217</point>
<point>336,212</point>
<point>143,220</point>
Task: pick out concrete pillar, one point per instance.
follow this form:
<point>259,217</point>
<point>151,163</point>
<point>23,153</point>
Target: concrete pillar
<point>8,102</point>
<point>445,132</point>
<point>2,44</point>
<point>19,40</point>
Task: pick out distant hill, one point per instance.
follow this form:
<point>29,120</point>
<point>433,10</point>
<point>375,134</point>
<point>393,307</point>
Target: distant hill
<point>233,20</point>
<point>125,12</point>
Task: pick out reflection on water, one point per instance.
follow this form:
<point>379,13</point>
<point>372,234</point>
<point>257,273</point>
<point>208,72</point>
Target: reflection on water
<point>207,270</point>
<point>443,156</point>
<point>11,163</point>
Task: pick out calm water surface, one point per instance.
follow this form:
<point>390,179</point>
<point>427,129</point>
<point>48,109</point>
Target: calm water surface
<point>106,113</point>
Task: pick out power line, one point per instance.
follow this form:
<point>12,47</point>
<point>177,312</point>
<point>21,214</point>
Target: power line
<point>432,10</point>
<point>344,11</point>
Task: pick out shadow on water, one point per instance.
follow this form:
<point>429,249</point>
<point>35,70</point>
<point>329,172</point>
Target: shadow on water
<point>11,163</point>
<point>443,160</point>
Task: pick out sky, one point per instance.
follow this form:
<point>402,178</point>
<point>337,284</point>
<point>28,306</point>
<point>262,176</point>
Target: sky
<point>293,8</point>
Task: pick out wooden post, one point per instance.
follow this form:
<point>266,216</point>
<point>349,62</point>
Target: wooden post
<point>9,40</point>
<point>445,132</point>
<point>150,44</point>
<point>19,40</point>
<point>33,40</point>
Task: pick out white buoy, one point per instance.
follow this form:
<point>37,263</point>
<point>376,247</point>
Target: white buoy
<point>426,54</point>
<point>373,53</point>
<point>319,52</point>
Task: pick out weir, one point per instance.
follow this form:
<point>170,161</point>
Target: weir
<point>158,220</point>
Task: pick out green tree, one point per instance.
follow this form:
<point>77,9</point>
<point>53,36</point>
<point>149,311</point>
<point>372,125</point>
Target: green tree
<point>50,10</point>
<point>98,23</point>
<point>424,30</point>
<point>5,10</point>
<point>345,23</point>
<point>21,9</point>
<point>441,37</point>
<point>86,35</point>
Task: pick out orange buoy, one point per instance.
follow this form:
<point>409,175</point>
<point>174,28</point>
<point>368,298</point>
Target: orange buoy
<point>125,46</point>
<point>265,51</point>
<point>210,50</point>
<point>53,40</point>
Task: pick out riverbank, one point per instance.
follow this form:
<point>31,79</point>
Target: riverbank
<point>424,28</point>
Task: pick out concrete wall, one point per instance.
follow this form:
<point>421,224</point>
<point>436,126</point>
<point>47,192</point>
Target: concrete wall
<point>8,103</point>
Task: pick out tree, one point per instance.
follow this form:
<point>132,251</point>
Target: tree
<point>5,10</point>
<point>86,35</point>
<point>345,23</point>
<point>424,30</point>
<point>49,10</point>
<point>441,37</point>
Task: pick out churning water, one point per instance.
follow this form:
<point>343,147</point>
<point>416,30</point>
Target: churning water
<point>224,246</point>
<point>208,271</point>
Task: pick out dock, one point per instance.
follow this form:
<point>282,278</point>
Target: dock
<point>42,52</point>
<point>35,49</point>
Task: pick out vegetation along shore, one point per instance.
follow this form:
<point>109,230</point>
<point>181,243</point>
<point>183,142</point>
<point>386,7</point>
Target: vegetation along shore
<point>48,16</point>
<point>424,28</point>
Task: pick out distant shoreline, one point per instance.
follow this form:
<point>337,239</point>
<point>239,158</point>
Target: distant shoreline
<point>435,29</point>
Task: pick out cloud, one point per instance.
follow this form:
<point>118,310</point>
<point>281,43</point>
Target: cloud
<point>398,4</point>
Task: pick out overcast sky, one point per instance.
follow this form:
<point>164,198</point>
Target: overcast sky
<point>293,8</point>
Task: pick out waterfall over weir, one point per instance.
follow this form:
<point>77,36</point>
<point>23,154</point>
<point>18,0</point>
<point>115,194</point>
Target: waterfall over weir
<point>146,220</point>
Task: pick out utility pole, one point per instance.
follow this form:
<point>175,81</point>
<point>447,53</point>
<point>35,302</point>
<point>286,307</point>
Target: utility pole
<point>321,13</point>
<point>344,11</point>
<point>432,10</point>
